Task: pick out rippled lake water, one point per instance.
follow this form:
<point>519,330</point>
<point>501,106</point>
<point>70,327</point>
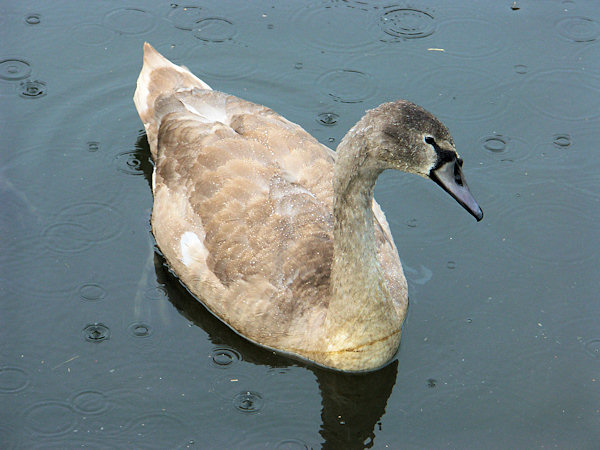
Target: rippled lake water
<point>101,346</point>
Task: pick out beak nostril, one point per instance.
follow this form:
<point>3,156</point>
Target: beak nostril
<point>457,175</point>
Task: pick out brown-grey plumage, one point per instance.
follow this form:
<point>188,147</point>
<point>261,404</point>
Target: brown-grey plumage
<point>275,233</point>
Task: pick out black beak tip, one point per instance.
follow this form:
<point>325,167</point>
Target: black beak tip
<point>479,215</point>
<point>474,210</point>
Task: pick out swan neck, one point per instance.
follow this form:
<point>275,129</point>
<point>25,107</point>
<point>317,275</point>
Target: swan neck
<point>354,234</point>
<point>358,286</point>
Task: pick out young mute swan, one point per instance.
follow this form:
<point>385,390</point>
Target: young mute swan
<point>276,234</point>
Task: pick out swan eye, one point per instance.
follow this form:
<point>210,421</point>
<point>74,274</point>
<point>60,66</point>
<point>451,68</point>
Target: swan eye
<point>430,140</point>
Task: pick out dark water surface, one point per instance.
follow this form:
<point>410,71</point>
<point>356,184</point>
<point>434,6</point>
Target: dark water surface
<point>101,347</point>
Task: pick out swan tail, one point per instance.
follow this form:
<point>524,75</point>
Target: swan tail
<point>159,77</point>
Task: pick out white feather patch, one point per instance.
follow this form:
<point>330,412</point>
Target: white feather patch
<point>192,249</point>
<point>208,113</point>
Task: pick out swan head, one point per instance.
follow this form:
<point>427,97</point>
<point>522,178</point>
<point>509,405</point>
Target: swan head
<point>403,136</point>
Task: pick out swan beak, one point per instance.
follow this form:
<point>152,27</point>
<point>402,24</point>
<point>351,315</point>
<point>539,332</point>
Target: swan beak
<point>450,177</point>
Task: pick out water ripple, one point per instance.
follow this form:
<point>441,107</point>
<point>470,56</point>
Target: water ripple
<point>225,357</point>
<point>407,23</point>
<point>592,347</point>
<point>587,58</point>
<point>90,403</point>
<point>485,37</point>
<point>185,17</point>
<point>46,193</point>
<point>140,330</point>
<point>129,163</point>
<point>230,383</point>
<point>545,92</point>
<point>502,147</point>
<point>347,85</point>
<point>51,418</point>
<point>39,274</point>
<point>248,402</point>
<point>214,29</point>
<point>293,432</point>
<point>92,34</point>
<point>175,49</point>
<point>156,293</point>
<point>578,29</point>
<point>92,292</point>
<point>567,153</point>
<point>276,386</point>
<point>33,19</point>
<point>96,333</point>
<point>327,119</point>
<point>314,23</point>
<point>13,379</point>
<point>130,20</point>
<point>33,89</point>
<point>78,227</point>
<point>292,444</point>
<point>555,240</point>
<point>14,69</point>
<point>463,377</point>
<point>451,90</point>
<point>163,430</point>
<point>521,69</point>
<point>228,60</point>
<point>67,237</point>
<point>578,329</point>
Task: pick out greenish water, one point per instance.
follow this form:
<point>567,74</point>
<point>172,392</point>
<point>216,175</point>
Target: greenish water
<point>501,348</point>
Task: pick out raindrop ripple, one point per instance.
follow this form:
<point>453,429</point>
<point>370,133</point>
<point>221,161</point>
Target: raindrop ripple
<point>96,332</point>
<point>14,69</point>
<point>248,402</point>
<point>407,23</point>
<point>214,29</point>
<point>92,292</point>
<point>51,418</point>
<point>129,20</point>
<point>13,379</point>
<point>578,29</point>
<point>33,89</point>
<point>90,402</point>
<point>347,85</point>
<point>223,357</point>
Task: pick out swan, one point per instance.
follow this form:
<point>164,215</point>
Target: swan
<point>277,235</point>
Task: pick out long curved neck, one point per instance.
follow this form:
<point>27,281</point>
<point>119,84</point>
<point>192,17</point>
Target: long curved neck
<point>355,250</point>
<point>360,310</point>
